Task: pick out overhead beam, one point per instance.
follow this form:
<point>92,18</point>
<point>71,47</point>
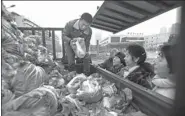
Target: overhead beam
<point>106,25</point>
<point>156,14</point>
<point>101,28</point>
<point>113,20</point>
<point>123,21</point>
<point>131,7</point>
<point>99,10</point>
<point>122,14</point>
<point>104,28</point>
<point>169,3</point>
<point>157,3</point>
<point>110,22</point>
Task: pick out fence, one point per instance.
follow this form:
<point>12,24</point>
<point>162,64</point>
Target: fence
<point>35,31</point>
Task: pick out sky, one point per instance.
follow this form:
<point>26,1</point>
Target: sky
<point>58,13</point>
<point>152,26</point>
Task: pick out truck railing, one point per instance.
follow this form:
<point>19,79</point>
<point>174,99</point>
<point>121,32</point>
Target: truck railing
<point>43,31</point>
<point>148,101</point>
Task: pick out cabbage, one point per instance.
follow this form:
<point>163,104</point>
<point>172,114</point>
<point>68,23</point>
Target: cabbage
<point>118,102</point>
<point>139,113</point>
<point>56,79</point>
<point>8,71</point>
<point>36,39</point>
<point>78,46</point>
<point>10,45</point>
<point>72,105</point>
<point>30,41</point>
<point>6,94</point>
<point>75,83</point>
<point>57,83</point>
<point>15,113</point>
<point>43,56</point>
<point>90,91</point>
<point>69,76</point>
<point>28,77</point>
<point>11,59</point>
<point>106,102</point>
<point>30,57</point>
<point>39,102</point>
<point>10,42</point>
<point>103,112</point>
<point>109,89</point>
<point>7,29</point>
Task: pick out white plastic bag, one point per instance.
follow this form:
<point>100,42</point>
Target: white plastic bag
<point>78,46</point>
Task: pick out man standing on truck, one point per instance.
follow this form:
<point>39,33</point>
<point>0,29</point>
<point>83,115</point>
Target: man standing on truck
<point>74,29</point>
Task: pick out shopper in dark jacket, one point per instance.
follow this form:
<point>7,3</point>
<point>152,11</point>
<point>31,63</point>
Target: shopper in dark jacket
<point>109,62</point>
<point>74,29</point>
<point>138,71</point>
<point>114,64</point>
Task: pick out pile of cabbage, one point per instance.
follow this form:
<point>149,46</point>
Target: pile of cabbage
<point>81,96</point>
<point>34,85</point>
<point>94,96</point>
<point>26,68</point>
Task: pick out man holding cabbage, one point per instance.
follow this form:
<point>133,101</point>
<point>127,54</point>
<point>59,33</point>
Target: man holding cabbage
<point>77,35</point>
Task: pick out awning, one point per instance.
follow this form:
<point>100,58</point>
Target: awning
<point>115,16</point>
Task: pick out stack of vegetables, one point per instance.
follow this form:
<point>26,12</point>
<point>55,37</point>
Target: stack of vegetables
<point>94,96</point>
<point>34,85</point>
<point>21,75</point>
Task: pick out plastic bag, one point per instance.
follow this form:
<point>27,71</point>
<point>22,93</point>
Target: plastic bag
<point>78,46</point>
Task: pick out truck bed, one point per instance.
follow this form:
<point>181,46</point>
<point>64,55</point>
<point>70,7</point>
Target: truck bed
<point>146,100</point>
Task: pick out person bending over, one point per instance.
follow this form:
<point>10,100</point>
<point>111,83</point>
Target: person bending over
<point>75,29</point>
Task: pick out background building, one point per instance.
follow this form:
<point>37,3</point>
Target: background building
<point>163,30</point>
<point>175,28</point>
<point>120,42</point>
<point>153,41</point>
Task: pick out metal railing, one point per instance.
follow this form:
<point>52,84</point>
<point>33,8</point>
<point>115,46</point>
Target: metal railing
<point>43,31</point>
<point>148,101</point>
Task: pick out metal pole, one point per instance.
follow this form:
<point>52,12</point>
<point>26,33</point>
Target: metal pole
<point>43,37</point>
<point>53,43</point>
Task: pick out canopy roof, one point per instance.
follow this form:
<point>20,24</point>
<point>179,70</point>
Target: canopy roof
<point>115,16</point>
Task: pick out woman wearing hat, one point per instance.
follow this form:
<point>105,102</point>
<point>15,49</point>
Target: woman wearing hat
<point>115,63</point>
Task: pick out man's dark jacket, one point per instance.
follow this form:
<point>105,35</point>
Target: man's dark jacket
<point>72,32</point>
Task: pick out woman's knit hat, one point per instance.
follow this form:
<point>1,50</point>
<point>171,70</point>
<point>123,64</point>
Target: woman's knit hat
<point>121,56</point>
